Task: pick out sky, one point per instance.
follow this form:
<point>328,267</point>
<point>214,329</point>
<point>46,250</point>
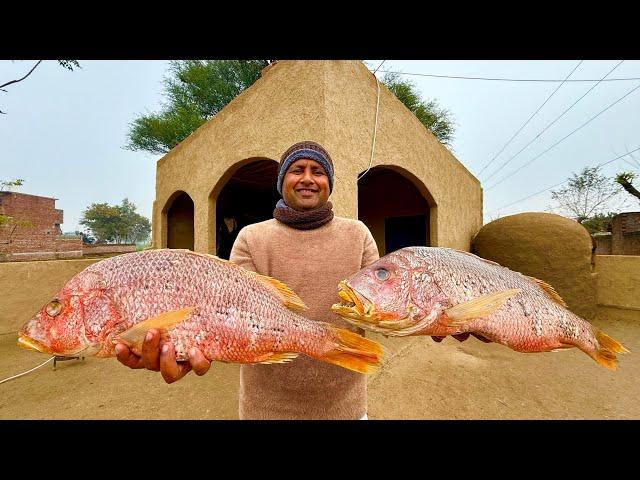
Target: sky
<point>64,132</point>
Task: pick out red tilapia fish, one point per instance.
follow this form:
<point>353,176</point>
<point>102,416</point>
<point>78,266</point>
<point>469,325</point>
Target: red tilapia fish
<point>196,300</point>
<point>442,291</point>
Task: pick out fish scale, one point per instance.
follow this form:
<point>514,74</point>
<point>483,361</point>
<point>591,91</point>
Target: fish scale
<point>196,300</point>
<point>442,291</point>
<point>512,321</point>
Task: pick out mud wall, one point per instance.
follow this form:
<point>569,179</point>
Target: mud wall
<point>27,286</point>
<point>618,280</point>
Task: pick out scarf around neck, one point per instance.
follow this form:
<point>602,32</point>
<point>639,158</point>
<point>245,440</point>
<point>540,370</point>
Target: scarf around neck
<point>306,220</point>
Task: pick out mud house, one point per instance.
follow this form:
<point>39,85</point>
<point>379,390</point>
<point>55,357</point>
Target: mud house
<point>222,177</point>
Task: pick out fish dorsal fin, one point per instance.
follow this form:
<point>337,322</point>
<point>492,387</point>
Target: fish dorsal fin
<point>134,336</point>
<point>478,307</point>
<point>280,358</point>
<point>549,291</point>
<point>209,256</point>
<point>289,298</point>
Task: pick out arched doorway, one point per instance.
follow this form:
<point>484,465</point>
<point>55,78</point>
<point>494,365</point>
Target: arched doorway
<point>394,208</point>
<point>248,196</point>
<point>180,231</point>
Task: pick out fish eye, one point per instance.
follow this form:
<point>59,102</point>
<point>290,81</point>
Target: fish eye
<point>53,308</point>
<point>382,274</point>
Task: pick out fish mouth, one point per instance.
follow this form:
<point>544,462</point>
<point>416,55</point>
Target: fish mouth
<point>29,343</point>
<point>352,304</point>
<point>361,311</point>
<point>34,345</point>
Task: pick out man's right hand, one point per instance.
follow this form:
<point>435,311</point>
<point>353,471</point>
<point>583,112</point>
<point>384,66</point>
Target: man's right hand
<point>162,358</point>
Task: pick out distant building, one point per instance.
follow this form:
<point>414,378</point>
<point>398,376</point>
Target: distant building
<point>624,237</point>
<point>32,229</point>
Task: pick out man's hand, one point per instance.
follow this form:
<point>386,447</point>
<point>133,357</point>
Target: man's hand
<point>162,358</point>
<point>461,337</point>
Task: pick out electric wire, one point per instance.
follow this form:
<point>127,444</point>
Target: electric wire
<point>28,371</point>
<point>375,127</point>
<point>554,121</point>
<point>529,119</point>
<point>511,79</point>
<point>564,181</point>
<point>563,139</point>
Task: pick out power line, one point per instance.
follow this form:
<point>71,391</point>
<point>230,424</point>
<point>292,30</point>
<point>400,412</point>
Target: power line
<point>374,72</point>
<point>529,119</point>
<point>558,118</point>
<point>511,79</point>
<point>375,126</point>
<point>564,181</point>
<point>564,138</point>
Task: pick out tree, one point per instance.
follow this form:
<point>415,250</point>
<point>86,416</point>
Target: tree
<point>10,184</point>
<point>600,222</point>
<point>586,194</point>
<point>625,179</point>
<point>68,64</point>
<point>117,223</point>
<point>438,120</point>
<point>135,227</point>
<point>198,89</point>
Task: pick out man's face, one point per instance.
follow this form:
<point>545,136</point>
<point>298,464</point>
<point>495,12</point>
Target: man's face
<point>305,185</point>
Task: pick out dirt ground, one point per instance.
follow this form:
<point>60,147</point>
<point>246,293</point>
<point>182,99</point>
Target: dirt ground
<point>419,379</point>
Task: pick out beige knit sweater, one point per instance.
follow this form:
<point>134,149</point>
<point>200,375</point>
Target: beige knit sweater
<point>311,262</point>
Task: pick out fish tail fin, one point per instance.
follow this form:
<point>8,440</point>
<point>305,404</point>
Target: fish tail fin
<point>605,354</point>
<point>353,351</point>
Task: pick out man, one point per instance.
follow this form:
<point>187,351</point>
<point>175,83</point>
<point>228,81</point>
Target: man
<point>309,249</point>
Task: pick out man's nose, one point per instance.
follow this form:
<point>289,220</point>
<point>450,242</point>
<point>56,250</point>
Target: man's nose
<point>307,177</point>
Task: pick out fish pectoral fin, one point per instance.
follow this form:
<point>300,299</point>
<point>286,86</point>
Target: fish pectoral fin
<point>134,336</point>
<point>478,307</point>
<point>289,298</point>
<point>279,358</point>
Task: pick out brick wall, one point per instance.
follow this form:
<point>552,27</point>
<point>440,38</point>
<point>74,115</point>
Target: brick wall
<point>108,248</point>
<point>34,231</point>
<point>625,234</point>
<point>603,243</point>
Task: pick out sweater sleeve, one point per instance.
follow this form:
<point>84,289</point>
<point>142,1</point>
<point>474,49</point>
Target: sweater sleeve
<point>240,253</point>
<point>370,251</point>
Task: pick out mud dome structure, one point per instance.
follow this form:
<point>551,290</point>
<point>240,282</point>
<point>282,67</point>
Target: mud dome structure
<point>552,248</point>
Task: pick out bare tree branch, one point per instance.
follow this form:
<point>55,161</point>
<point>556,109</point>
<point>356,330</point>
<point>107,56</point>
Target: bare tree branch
<point>20,79</point>
<point>626,184</point>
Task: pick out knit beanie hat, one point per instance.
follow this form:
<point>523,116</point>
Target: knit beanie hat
<point>307,149</point>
